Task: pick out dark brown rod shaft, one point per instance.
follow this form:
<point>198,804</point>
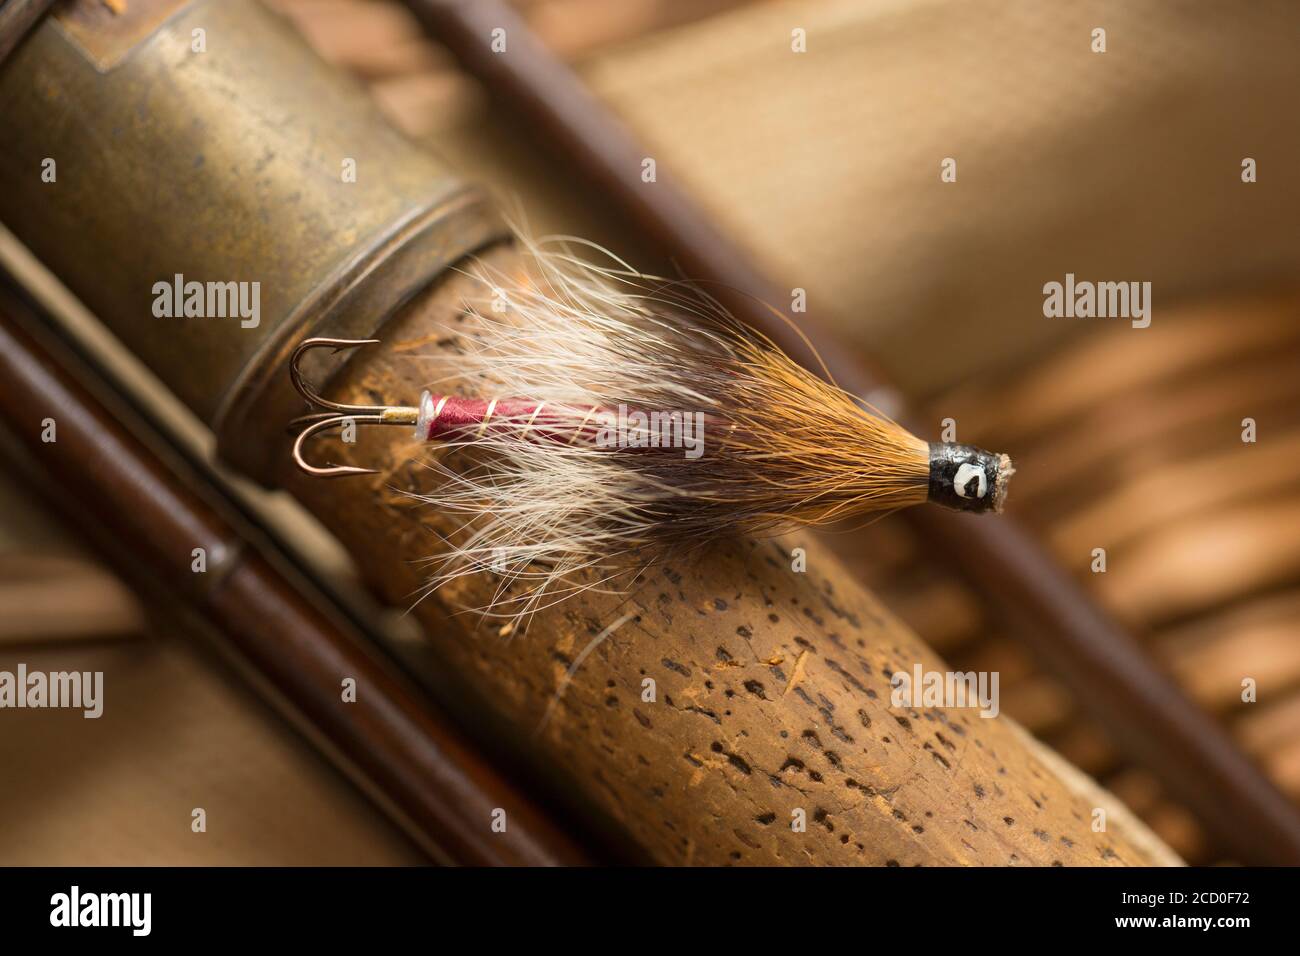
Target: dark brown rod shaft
<point>1149,716</point>
<point>16,18</point>
<point>111,478</point>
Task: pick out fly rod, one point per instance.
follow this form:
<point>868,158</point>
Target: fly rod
<point>730,690</point>
<point>147,507</point>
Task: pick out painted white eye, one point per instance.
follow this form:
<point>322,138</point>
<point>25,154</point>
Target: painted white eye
<point>962,479</point>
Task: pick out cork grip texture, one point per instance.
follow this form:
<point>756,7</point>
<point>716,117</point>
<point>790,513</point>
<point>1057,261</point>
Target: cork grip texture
<point>772,687</point>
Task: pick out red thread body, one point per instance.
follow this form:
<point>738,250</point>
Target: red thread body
<point>457,418</point>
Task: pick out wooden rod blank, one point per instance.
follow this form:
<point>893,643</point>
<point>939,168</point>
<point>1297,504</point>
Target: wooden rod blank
<point>147,505</point>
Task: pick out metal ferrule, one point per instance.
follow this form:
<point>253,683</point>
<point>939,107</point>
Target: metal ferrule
<point>204,142</point>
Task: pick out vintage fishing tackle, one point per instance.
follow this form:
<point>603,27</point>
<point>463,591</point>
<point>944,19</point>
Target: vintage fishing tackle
<point>603,418</point>
<point>961,477</point>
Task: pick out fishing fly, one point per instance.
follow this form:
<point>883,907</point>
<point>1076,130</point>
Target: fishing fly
<point>596,419</point>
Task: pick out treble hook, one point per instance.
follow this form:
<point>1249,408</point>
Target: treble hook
<point>338,414</point>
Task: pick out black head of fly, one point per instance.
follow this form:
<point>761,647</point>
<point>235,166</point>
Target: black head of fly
<point>966,478</point>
